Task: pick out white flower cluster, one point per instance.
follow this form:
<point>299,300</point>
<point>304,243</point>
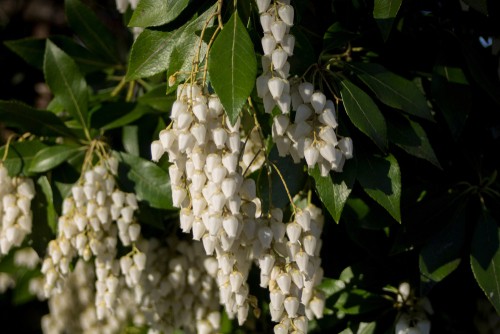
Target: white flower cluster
<point>94,217</point>
<point>311,134</point>
<point>216,203</point>
<point>179,292</point>
<point>16,217</point>
<point>291,269</point>
<point>412,319</point>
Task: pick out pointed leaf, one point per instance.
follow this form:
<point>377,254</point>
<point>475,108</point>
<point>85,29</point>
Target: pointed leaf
<point>412,138</point>
<point>66,82</point>
<point>393,90</point>
<point>364,113</point>
<point>20,155</point>
<point>384,12</point>
<point>381,179</point>
<point>117,114</point>
<point>334,190</point>
<point>51,157</point>
<point>485,258</point>
<point>159,98</point>
<point>44,184</point>
<point>232,66</point>
<point>150,53</point>
<point>152,183</point>
<point>27,119</point>
<point>91,30</point>
<point>150,13</point>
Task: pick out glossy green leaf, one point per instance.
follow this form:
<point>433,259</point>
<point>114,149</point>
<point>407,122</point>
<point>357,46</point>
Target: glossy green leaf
<point>330,286</point>
<point>232,66</point>
<point>152,183</point>
<point>393,90</point>
<point>27,119</point>
<point>44,184</point>
<point>66,82</point>
<point>51,157</point>
<point>159,98</point>
<point>19,156</point>
<point>150,53</point>
<point>364,113</point>
<point>150,13</point>
<point>380,178</point>
<point>485,257</point>
<point>384,12</point>
<point>117,114</point>
<point>130,139</point>
<point>334,190</point>
<point>91,30</point>
<point>441,255</point>
<point>412,138</point>
<point>452,95</point>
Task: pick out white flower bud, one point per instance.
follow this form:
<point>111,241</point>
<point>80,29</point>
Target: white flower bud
<point>140,261</point>
<point>157,150</point>
<point>278,28</point>
<point>303,113</point>
<point>302,260</point>
<point>279,57</point>
<point>265,21</point>
<point>306,90</point>
<point>200,110</point>
<point>268,44</point>
<point>286,14</point>
<point>291,306</point>
<point>269,103</point>
<point>178,196</point>
<point>285,103</point>
<point>199,132</point>
<point>265,235</point>
<point>317,305</point>
<point>263,5</point>
<point>215,106</point>
<point>284,281</point>
<point>276,86</point>
<point>293,231</point>
<point>311,155</point>
<point>345,145</point>
<point>133,231</point>
<point>318,101</point>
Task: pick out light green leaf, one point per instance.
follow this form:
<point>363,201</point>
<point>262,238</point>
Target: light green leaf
<point>150,13</point>
<point>66,82</point>
<point>130,139</point>
<point>393,90</point>
<point>152,183</point>
<point>412,138</point>
<point>232,66</point>
<point>151,51</point>
<point>91,30</point>
<point>334,190</point>
<point>485,257</point>
<point>27,119</point>
<point>380,178</point>
<point>51,157</point>
<point>364,113</point>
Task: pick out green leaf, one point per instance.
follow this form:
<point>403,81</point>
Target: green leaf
<point>412,138</point>
<point>380,178</point>
<point>66,82</point>
<point>159,98</point>
<point>150,13</point>
<point>452,95</point>
<point>152,183</point>
<point>337,36</point>
<point>485,257</point>
<point>330,286</point>
<point>51,157</point>
<point>150,53</point>
<point>384,12</point>
<point>393,90</point>
<point>44,184</point>
<point>130,139</point>
<point>20,155</point>
<point>232,66</point>
<point>91,30</point>
<point>117,114</point>
<point>335,190</point>
<point>27,119</point>
<point>364,113</point>
<point>441,255</point>
<point>358,301</point>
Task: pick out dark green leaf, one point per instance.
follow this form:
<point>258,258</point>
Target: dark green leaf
<point>44,184</point>
<point>393,90</point>
<point>151,51</point>
<point>91,30</point>
<point>152,183</point>
<point>150,13</point>
<point>334,190</point>
<point>51,157</point>
<point>381,179</point>
<point>412,138</point>
<point>66,82</point>
<point>364,113</point>
<point>27,119</point>
<point>232,66</point>
<point>384,12</point>
<point>452,95</point>
<point>337,37</point>
<point>357,301</point>
<point>117,114</point>
<point>441,255</point>
<point>20,155</point>
<point>130,139</point>
<point>485,258</point>
<point>159,98</point>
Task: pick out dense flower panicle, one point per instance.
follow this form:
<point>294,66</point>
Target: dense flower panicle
<point>94,217</point>
<point>179,292</point>
<point>16,216</point>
